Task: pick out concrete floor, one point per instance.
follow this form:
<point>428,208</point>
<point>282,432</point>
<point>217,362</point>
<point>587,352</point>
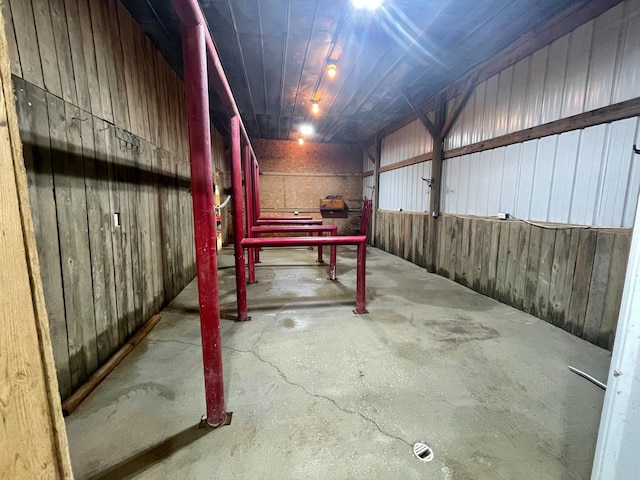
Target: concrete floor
<point>318,392</point>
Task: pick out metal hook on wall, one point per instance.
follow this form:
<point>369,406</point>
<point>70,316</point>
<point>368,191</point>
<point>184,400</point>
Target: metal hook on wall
<point>429,181</point>
<point>636,150</point>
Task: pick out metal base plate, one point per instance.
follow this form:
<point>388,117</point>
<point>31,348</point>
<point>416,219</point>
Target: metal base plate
<point>226,421</point>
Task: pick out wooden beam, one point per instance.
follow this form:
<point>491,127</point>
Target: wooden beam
<point>423,118</point>
<point>77,397</point>
<point>468,90</point>
<point>409,161</point>
<point>608,114</point>
<point>367,153</point>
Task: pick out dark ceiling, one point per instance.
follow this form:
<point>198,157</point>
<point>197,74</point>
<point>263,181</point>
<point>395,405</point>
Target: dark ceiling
<point>275,53</point>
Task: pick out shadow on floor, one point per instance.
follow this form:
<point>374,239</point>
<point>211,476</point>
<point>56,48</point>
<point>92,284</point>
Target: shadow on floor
<point>151,456</point>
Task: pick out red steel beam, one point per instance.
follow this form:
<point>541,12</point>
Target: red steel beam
<point>248,188</point>
<point>190,14</point>
<point>197,102</point>
<point>359,240</point>
<point>266,221</point>
<point>238,228</point>
<point>289,217</point>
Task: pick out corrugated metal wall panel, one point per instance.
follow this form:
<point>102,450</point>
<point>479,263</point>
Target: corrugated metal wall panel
<point>367,186</point>
<point>404,188</point>
<point>584,177</point>
<point>408,142</point>
<point>574,74</point>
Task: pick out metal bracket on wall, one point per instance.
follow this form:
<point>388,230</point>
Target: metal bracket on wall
<point>128,141</point>
<point>430,181</point>
<point>636,150</point>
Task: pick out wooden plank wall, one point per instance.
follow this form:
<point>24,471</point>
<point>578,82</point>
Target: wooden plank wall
<point>570,277</point>
<point>101,116</point>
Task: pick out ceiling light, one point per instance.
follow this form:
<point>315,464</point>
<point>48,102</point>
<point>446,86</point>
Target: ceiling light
<point>332,69</point>
<point>315,107</point>
<point>368,4</point>
<point>300,140</point>
<point>306,129</point>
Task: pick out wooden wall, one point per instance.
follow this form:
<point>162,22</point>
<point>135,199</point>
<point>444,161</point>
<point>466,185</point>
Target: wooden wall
<point>102,120</point>
<point>570,277</point>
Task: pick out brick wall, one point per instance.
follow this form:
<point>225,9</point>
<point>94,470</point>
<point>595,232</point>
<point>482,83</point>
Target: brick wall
<point>295,177</point>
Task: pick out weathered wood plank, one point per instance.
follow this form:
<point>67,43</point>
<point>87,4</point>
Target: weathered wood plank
<point>103,59</point>
<point>116,73</point>
<point>130,66</point>
<point>471,258</point>
<point>63,50</point>
<point>518,293</point>
<point>14,55</point>
<point>545,266</point>
<point>555,312</point>
<point>581,281</point>
<point>33,117</point>
<point>89,53</point>
<point>70,199</point>
<point>615,287</point>
<point>80,67</point>
<point>574,242</point>
<point>507,295</point>
<point>100,221</point>
<point>533,265</point>
<point>27,41</point>
<point>48,58</point>
<point>459,223</point>
<point>494,245</point>
<point>479,246</point>
<point>501,260</point>
<point>598,286</point>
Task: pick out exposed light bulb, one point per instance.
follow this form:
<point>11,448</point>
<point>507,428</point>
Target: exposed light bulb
<point>306,129</point>
<point>300,140</point>
<point>315,107</point>
<point>332,70</point>
<point>368,4</point>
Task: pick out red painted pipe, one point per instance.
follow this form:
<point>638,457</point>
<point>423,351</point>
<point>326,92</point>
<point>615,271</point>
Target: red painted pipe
<point>248,188</point>
<point>191,14</point>
<point>238,228</point>
<point>256,185</point>
<point>359,240</point>
<point>290,217</point>
<point>256,202</point>
<point>264,221</point>
<point>197,102</point>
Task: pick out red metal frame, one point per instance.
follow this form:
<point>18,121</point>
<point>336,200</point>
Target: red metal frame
<point>359,240</point>
<point>266,221</point>
<point>248,188</point>
<point>238,221</point>
<point>197,102</point>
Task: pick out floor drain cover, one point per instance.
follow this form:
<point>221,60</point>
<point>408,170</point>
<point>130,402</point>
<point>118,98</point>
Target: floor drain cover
<point>423,452</point>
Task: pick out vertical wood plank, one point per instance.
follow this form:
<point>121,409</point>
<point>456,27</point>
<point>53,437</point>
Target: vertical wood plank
<point>131,67</point>
<point>14,55</point>
<point>116,72</point>
<point>512,262</point>
<point>492,266</point>
<point>33,120</point>
<point>568,281</point>
<point>47,47</point>
<point>89,53</point>
<point>63,50</point>
<point>100,221</point>
<point>533,265</point>
<point>559,268</point>
<point>27,41</point>
<point>581,281</point>
<point>615,287</point>
<point>518,294</point>
<point>77,54</point>
<point>68,175</point>
<point>33,438</point>
<point>545,266</point>
<point>598,286</point>
<point>501,260</point>
<point>103,59</point>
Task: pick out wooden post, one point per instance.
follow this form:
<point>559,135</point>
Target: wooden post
<point>376,189</point>
<point>436,176</point>
<point>34,441</point>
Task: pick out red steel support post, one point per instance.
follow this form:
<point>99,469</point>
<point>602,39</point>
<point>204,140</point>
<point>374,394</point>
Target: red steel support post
<point>256,207</point>
<point>197,101</point>
<point>247,166</point>
<point>238,228</point>
<point>361,269</point>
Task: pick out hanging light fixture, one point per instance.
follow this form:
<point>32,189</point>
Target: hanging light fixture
<point>315,107</point>
<point>332,69</point>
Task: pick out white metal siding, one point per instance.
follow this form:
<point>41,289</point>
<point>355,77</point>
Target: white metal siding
<point>596,65</point>
<point>367,187</point>
<point>408,142</point>
<point>585,177</point>
<point>404,188</point>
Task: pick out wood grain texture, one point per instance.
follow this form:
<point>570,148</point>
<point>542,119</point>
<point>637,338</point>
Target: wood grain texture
<point>570,277</point>
<point>34,440</point>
